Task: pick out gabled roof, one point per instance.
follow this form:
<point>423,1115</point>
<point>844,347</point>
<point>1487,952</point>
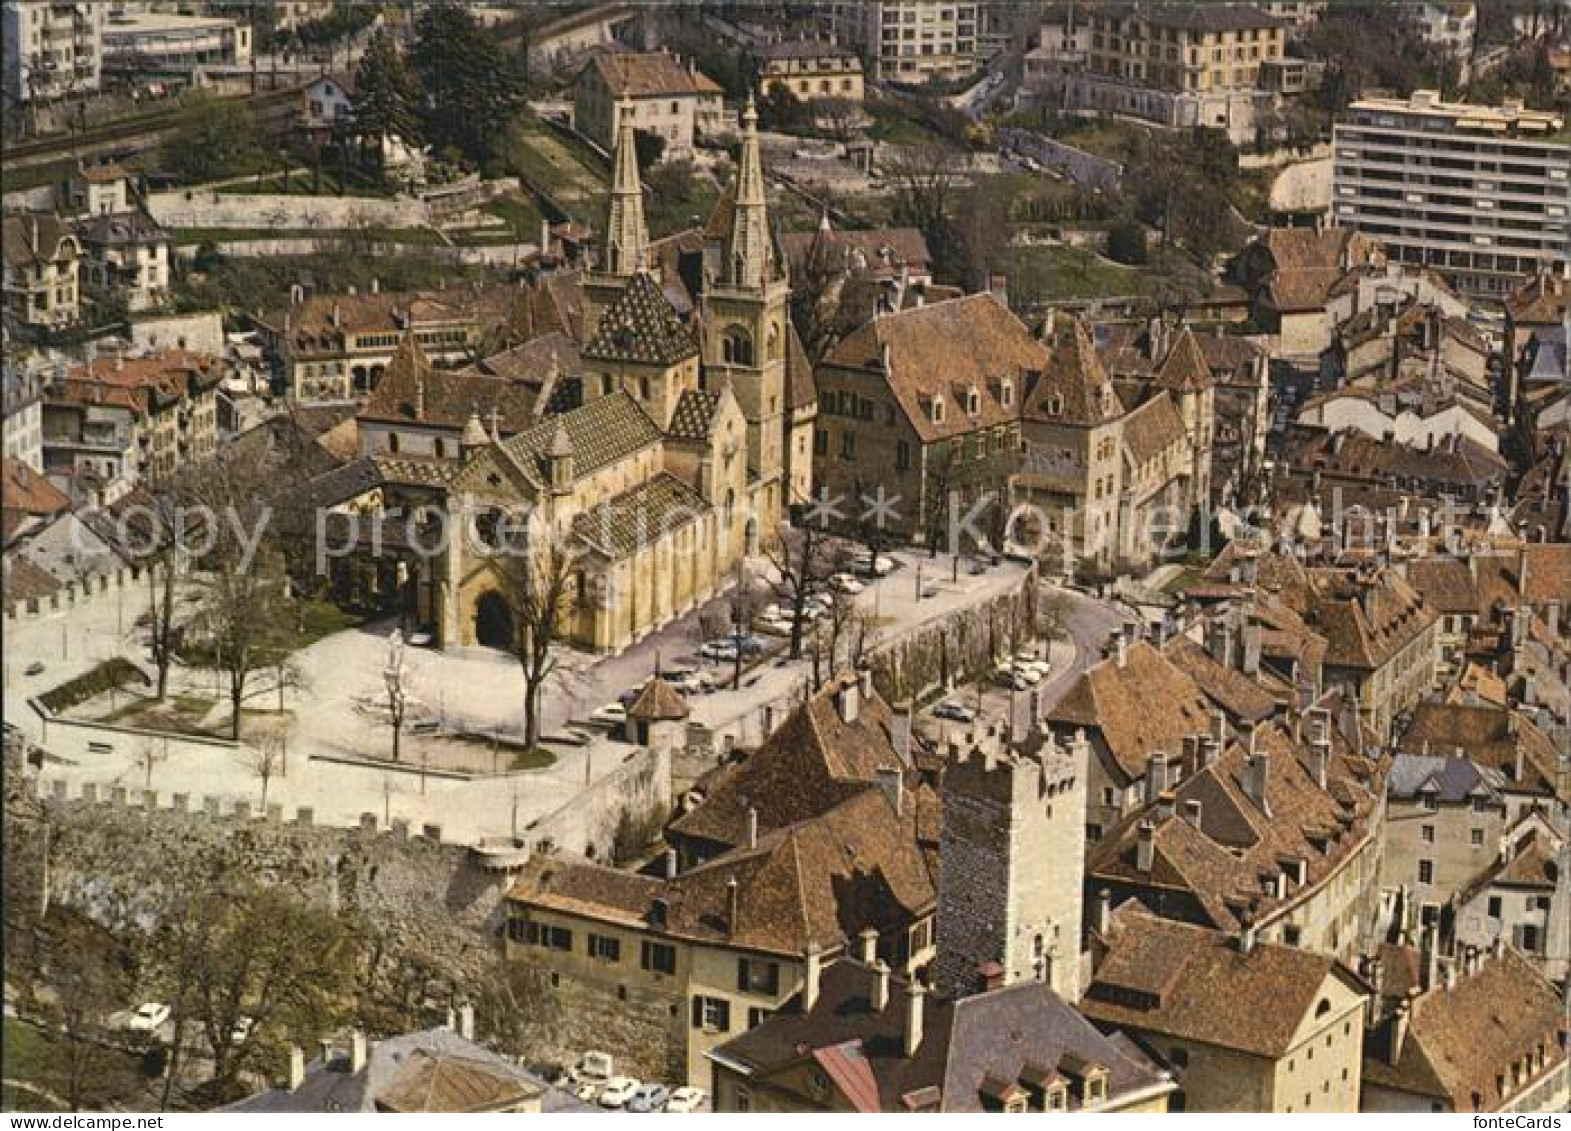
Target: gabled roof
<point>694,417</point>
<point>1366,620</point>
<point>816,882</point>
<point>1446,777</point>
<point>1461,1043</point>
<point>813,761</point>
<point>1147,706</point>
<point>1074,388</point>
<point>946,350</point>
<point>28,491</point>
<point>603,431</point>
<point>971,1049</point>
<point>642,326</point>
<point>1152,429</point>
<point>1185,369</point>
<point>33,239</point>
<point>1492,737</point>
<point>655,75</point>
<point>515,385</point>
<point>633,520</point>
<point>1196,984</point>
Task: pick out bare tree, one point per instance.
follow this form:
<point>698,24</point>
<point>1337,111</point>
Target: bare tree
<point>538,584</point>
<point>87,974</point>
<point>803,558</point>
<point>395,677</point>
<point>149,755</point>
<point>268,756</point>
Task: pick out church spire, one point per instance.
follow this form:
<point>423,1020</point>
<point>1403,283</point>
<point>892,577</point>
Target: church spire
<point>626,238</point>
<point>748,251</point>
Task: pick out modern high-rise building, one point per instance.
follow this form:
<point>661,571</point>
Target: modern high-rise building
<point>51,49</point>
<point>1480,193</point>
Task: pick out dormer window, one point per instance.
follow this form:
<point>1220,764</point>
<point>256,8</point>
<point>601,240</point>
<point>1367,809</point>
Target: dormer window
<point>1006,393</point>
<point>937,410</point>
<point>1057,1098</point>
<point>973,401</point>
<point>1055,405</point>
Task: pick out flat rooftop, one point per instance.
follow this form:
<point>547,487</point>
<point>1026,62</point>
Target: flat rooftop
<point>1508,118</point>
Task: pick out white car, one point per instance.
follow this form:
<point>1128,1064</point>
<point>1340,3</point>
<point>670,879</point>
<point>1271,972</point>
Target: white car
<point>612,714</point>
<point>684,1100</point>
<point>878,566</point>
<point>847,583</point>
<point>617,1091</point>
<point>242,1029</point>
<point>773,626</point>
<point>1030,673</point>
<point>587,1090</point>
<point>145,1018</point>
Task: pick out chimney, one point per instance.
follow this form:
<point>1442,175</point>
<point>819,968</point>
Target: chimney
<point>1121,648</point>
<point>769,719</point>
<point>733,904</point>
<point>752,827</point>
<point>670,863</point>
<point>325,1050</point>
<point>892,779</point>
<point>900,733</point>
<point>1257,772</point>
<point>811,976</point>
<point>880,1000</point>
<point>1320,761</point>
<point>1399,1022</point>
<point>864,682</point>
<point>1218,727</point>
<point>916,995</point>
<point>1429,951</point>
<point>1252,649</point>
<point>1521,571</point>
<point>358,1051</point>
<point>1450,974</point>
<point>867,945</point>
<point>1192,812</point>
<point>1145,846</point>
<point>466,1021</point>
<point>1156,776</point>
<point>1246,938</point>
<point>1220,641</point>
<point>296,1067</point>
<point>1552,618</point>
<point>850,700</point>
<point>1104,911</point>
<point>1166,805</point>
<point>1375,975</point>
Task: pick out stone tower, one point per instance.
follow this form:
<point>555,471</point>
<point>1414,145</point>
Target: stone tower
<point>1012,859</point>
<point>625,249</point>
<point>745,310</point>
<point>1186,374</point>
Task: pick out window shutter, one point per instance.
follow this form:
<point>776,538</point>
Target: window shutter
<point>723,1018</point>
<point>741,974</point>
<point>698,1012</point>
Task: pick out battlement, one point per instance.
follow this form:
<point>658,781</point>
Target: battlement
<point>215,808</point>
<point>983,764</point>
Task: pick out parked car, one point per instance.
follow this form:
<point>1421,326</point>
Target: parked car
<point>586,1090</point>
<point>689,682</point>
<point>723,649</point>
<point>1012,678</point>
<point>145,1018</point>
<point>34,668</point>
<point>612,714</point>
<point>686,1099</point>
<point>594,1065</point>
<point>617,1091</point>
<point>877,565</point>
<point>242,1029</point>
<point>954,712</point>
<point>650,1097</point>
<point>773,626</point>
<point>847,583</point>
<point>1029,672</point>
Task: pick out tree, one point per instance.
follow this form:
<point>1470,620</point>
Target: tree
<point>1126,242</point>
<point>268,756</point>
<point>87,972</point>
<point>216,139</point>
<point>538,579</point>
<point>978,233</point>
<point>395,677</point>
<point>244,960</point>
<point>923,178</point>
<point>385,96</point>
<point>469,85</point>
<point>149,756</point>
<point>158,537</point>
<point>803,557</point>
<point>650,148</point>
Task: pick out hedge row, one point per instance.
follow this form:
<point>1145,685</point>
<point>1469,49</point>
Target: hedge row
<point>110,675</point>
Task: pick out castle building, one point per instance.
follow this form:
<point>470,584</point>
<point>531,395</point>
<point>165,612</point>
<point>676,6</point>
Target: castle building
<point>1013,841</point>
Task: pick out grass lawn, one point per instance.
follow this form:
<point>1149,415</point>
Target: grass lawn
<point>521,215</point>
<point>1050,274</point>
<point>36,176</point>
<point>535,759</point>
<point>322,619</point>
<point>896,127</point>
<point>572,175</point>
<point>25,1050</point>
<point>1185,579</point>
<point>180,714</point>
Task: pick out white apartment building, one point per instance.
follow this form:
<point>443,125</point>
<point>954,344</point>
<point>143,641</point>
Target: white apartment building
<point>51,49</point>
<point>911,41</point>
<point>148,43</point>
<point>1480,193</point>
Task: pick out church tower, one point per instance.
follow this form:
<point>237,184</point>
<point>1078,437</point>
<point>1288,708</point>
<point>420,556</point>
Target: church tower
<point>625,249</point>
<point>745,321</point>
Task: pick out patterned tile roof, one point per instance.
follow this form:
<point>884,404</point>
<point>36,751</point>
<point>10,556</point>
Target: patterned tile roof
<point>642,327</point>
<point>694,415</point>
<point>638,518</point>
<point>605,430</point>
<point>1074,388</point>
<point>658,701</point>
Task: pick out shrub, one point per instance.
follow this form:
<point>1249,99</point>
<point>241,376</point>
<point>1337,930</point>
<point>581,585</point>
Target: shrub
<point>111,675</point>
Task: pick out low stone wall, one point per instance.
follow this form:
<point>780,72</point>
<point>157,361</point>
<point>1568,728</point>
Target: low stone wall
<point>587,824</point>
<point>115,852</point>
<point>1079,166</point>
<point>962,646</point>
<point>73,594</point>
<point>208,208</point>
